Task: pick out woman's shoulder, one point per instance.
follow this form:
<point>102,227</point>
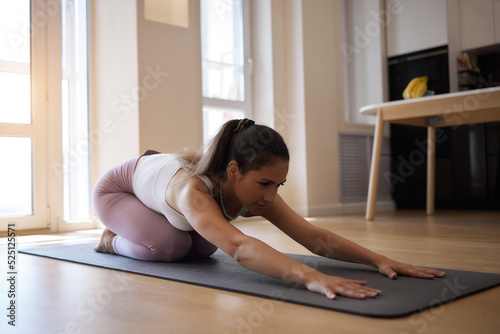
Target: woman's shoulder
<point>187,188</point>
<point>186,181</point>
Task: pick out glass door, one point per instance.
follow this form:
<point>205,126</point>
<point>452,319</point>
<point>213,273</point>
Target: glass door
<point>23,142</point>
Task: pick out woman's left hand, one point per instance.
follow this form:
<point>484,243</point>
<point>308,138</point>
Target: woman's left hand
<point>392,268</point>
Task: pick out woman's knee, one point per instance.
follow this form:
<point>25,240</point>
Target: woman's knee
<point>204,251</point>
<point>171,249</point>
<point>181,245</point>
<point>200,246</point>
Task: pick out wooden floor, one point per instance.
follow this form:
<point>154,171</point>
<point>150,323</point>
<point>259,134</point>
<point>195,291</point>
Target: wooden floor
<point>61,297</point>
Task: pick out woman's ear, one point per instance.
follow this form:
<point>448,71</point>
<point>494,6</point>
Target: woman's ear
<point>233,170</point>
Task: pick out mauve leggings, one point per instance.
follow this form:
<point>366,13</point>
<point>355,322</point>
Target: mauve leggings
<point>141,233</point>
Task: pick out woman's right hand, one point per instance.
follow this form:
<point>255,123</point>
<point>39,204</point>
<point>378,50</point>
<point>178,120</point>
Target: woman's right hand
<point>331,286</point>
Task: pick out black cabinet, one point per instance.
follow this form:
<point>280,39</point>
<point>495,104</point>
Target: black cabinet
<point>467,157</point>
<point>467,167</point>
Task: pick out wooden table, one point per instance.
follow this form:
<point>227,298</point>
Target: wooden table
<point>453,109</point>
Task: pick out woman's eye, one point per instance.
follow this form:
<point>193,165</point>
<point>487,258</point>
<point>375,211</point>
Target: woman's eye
<point>264,183</point>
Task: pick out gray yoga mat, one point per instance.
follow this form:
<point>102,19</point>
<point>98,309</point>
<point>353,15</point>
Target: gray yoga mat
<point>400,297</point>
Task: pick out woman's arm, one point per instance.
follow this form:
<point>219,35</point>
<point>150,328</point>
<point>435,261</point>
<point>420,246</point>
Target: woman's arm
<point>203,213</point>
<point>328,244</point>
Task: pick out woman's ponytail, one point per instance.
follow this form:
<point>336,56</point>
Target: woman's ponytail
<point>251,146</point>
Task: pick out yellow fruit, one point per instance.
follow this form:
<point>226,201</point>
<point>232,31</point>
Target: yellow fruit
<point>416,88</point>
<point>409,88</point>
<point>420,89</point>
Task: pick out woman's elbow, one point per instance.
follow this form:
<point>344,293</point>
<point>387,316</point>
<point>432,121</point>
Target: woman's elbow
<point>240,249</point>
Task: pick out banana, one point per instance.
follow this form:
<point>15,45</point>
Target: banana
<point>420,88</point>
<point>416,88</point>
<point>409,88</point>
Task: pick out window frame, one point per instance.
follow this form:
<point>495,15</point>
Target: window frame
<point>246,105</point>
<point>46,127</point>
<point>56,196</point>
<point>36,130</point>
<point>76,145</point>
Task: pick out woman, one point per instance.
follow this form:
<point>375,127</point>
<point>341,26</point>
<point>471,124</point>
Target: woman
<point>163,207</point>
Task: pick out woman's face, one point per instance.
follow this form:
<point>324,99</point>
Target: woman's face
<point>256,189</point>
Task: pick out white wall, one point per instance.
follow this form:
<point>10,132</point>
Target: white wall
<point>321,93</point>
<point>416,25</point>
<point>278,85</point>
<point>308,100</point>
<point>170,107</point>
<point>114,131</point>
<point>288,57</point>
<point>305,103</point>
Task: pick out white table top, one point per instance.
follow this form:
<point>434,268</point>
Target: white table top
<point>372,108</point>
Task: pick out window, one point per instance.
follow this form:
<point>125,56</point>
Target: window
<point>44,114</point>
<point>75,121</point>
<point>22,118</point>
<point>226,63</point>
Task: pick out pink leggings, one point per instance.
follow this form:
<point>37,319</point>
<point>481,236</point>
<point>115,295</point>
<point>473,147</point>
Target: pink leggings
<point>141,233</point>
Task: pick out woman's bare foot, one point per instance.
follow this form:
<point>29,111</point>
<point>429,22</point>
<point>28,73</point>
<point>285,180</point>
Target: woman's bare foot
<point>105,245</point>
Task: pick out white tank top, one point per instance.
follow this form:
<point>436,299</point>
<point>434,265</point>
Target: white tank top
<point>151,179</point>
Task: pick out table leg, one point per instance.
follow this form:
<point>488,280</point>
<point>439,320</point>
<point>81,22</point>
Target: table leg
<point>431,168</point>
<point>375,167</point>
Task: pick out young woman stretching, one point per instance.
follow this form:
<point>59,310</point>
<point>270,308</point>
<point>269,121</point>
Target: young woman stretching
<point>163,207</point>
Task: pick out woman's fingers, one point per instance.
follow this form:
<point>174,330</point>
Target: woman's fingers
<point>387,271</point>
<point>425,273</point>
<point>332,286</point>
<point>358,293</point>
<point>392,268</point>
<point>337,286</point>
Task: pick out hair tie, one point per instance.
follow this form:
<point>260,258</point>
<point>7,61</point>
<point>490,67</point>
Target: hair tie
<point>244,123</point>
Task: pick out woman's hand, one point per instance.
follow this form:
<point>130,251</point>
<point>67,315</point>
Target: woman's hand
<point>331,286</point>
<point>392,268</point>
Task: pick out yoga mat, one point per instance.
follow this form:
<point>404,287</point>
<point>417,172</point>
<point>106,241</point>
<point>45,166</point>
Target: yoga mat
<point>400,297</point>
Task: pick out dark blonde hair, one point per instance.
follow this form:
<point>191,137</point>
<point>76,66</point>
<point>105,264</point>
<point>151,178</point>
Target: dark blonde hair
<point>251,145</point>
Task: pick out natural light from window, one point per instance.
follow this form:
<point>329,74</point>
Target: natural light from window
<point>223,63</point>
<point>16,169</point>
<point>16,177</point>
<point>76,150</point>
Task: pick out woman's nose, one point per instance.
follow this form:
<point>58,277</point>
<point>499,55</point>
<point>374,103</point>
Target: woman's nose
<point>269,196</point>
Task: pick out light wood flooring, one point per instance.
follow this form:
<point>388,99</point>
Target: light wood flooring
<point>61,297</point>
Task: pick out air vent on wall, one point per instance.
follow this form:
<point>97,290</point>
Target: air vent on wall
<point>355,159</point>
